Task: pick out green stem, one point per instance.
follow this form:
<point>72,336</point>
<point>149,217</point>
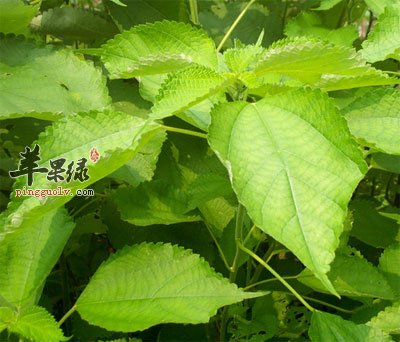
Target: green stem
<point>268,281</point>
<point>276,275</point>
<point>65,317</point>
<point>184,131</point>
<point>249,234</point>
<point>233,26</point>
<point>392,72</point>
<point>221,252</point>
<point>194,12</point>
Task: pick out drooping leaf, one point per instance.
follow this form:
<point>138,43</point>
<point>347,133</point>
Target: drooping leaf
<point>310,25</point>
<point>15,16</point>
<point>136,12</point>
<point>291,189</point>
<point>116,136</point>
<point>327,327</point>
<point>46,83</point>
<point>186,88</point>
<point>153,203</point>
<point>374,119</point>
<point>74,24</point>
<point>388,320</point>
<point>389,264</point>
<point>352,275</point>
<point>35,324</point>
<point>384,40</point>
<point>148,284</point>
<point>28,255</point>
<point>157,48</point>
<point>318,63</point>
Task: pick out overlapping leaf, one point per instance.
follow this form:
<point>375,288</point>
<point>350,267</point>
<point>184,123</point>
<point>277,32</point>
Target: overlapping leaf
<point>46,83</point>
<point>294,167</point>
<point>15,16</point>
<point>374,119</point>
<point>389,264</point>
<point>157,48</point>
<point>384,40</point>
<point>388,320</point>
<point>148,284</point>
<point>116,136</point>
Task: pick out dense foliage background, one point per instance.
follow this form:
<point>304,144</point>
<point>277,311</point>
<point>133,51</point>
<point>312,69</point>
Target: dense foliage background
<point>247,176</point>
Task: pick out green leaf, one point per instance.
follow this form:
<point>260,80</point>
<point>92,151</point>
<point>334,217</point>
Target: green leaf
<point>186,88</point>
<point>153,203</point>
<point>310,25</point>
<point>327,4</point>
<point>15,16</point>
<point>374,119</point>
<point>141,167</point>
<point>157,48</point>
<point>378,6</point>
<point>117,137</point>
<point>318,63</point>
<point>74,24</point>
<point>370,226</point>
<point>384,40</point>
<point>137,12</point>
<point>29,254</point>
<point>386,162</point>
<point>353,276</point>
<point>328,327</point>
<point>389,264</point>
<point>149,284</point>
<point>291,189</point>
<point>388,320</point>
<point>36,324</point>
<point>239,59</point>
<point>46,83</point>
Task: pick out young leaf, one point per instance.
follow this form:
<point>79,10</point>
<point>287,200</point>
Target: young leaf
<point>328,327</point>
<point>384,40</point>
<point>318,63</point>
<point>117,137</point>
<point>295,191</point>
<point>389,264</point>
<point>149,284</point>
<point>153,203</point>
<point>353,276</point>
<point>374,119</point>
<point>388,320</point>
<point>239,59</point>
<point>36,324</point>
<point>74,24</point>
<point>186,88</point>
<point>157,48</point>
<point>15,16</point>
<point>29,254</point>
<point>42,82</point>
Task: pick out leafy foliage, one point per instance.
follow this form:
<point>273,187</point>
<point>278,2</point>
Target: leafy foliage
<point>241,160</point>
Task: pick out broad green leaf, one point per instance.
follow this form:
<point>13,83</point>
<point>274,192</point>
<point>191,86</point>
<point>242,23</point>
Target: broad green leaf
<point>374,119</point>
<point>384,40</point>
<point>239,59</point>
<point>327,327</point>
<point>370,226</point>
<point>352,275</point>
<point>35,324</point>
<point>327,4</point>
<point>297,192</point>
<point>137,12</point>
<point>386,162</point>
<point>15,16</point>
<point>157,48</point>
<point>29,254</point>
<point>74,24</point>
<point>310,25</point>
<point>149,284</point>
<point>318,63</point>
<point>117,137</point>
<point>378,6</point>
<point>153,203</point>
<point>389,264</point>
<point>141,167</point>
<point>388,320</point>
<point>187,88</point>
<point>46,83</point>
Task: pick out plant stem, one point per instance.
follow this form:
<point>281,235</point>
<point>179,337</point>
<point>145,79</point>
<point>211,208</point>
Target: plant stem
<point>268,281</point>
<point>184,131</point>
<point>65,317</point>
<point>233,26</point>
<point>249,234</point>
<point>221,252</point>
<point>194,12</point>
<point>392,72</point>
<point>276,275</point>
